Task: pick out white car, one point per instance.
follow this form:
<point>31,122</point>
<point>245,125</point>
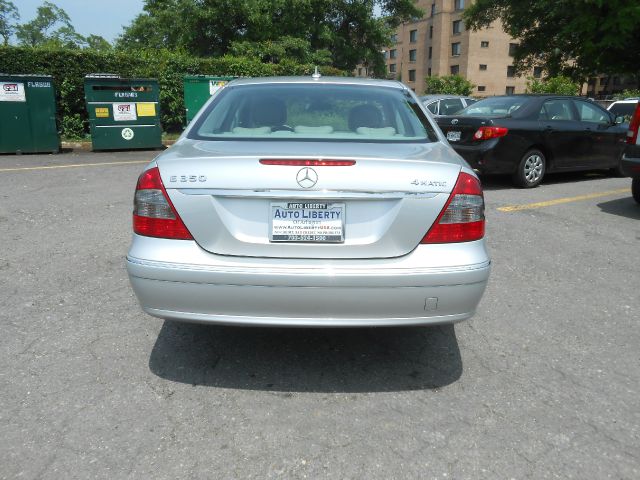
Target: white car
<point>623,108</point>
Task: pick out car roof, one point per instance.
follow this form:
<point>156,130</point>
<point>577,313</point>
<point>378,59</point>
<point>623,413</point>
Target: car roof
<point>425,98</point>
<point>627,100</point>
<point>321,80</point>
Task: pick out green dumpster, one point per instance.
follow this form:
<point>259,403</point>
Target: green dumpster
<point>124,113</point>
<point>28,114</point>
<point>198,89</point>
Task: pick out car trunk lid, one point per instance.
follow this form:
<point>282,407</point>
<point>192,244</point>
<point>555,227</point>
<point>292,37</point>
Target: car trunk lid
<point>380,206</point>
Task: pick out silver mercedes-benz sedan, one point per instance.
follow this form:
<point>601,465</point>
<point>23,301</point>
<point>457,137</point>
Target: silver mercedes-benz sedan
<point>317,202</point>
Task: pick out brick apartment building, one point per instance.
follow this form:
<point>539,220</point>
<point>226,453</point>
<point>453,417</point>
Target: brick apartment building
<point>439,44</point>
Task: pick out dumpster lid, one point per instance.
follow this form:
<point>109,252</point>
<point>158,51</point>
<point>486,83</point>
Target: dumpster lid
<point>115,76</point>
<point>31,75</point>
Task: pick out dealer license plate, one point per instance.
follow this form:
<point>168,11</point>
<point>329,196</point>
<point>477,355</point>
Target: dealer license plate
<point>453,136</point>
<point>307,221</point>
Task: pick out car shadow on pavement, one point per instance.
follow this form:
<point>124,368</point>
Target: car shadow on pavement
<point>307,360</point>
<point>504,182</point>
<point>623,207</point>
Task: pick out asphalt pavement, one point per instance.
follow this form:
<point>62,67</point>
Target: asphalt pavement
<point>544,382</point>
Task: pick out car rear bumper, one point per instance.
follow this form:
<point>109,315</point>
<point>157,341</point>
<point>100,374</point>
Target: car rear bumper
<point>630,161</point>
<point>483,158</point>
<point>207,288</point>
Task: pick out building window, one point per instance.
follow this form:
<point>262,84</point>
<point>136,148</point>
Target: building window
<point>412,55</point>
<point>481,88</point>
<point>511,71</point>
<point>431,31</point>
<point>412,75</point>
<point>392,68</point>
<point>394,38</point>
<point>392,53</point>
<point>483,66</point>
<point>428,72</point>
<point>433,9</point>
<point>459,4</point>
<point>359,72</point>
<point>413,36</point>
<point>457,26</point>
<point>455,69</point>
<point>455,49</point>
<point>484,44</point>
<point>510,90</point>
<point>512,49</point>
<point>430,53</point>
<point>537,72</point>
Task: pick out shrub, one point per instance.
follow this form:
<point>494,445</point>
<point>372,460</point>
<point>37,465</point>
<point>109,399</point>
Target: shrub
<point>555,85</point>
<point>69,67</point>
<point>449,85</point>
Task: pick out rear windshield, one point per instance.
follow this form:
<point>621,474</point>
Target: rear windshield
<point>315,112</point>
<point>495,106</point>
<point>623,110</point>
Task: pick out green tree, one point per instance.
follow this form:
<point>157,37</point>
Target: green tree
<point>8,16</point>
<point>96,42</point>
<point>347,29</point>
<point>42,30</point>
<point>449,84</point>
<point>558,85</point>
<point>576,38</point>
<point>285,48</point>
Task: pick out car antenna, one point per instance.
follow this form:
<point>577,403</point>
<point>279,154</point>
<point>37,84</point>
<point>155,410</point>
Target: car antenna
<point>316,75</point>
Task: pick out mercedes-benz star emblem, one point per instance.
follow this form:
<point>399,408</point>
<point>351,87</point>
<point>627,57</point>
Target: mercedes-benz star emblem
<point>454,121</point>
<point>307,177</point>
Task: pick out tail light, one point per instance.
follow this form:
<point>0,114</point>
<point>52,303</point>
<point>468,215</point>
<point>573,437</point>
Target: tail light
<point>634,125</point>
<point>462,218</point>
<point>486,133</point>
<point>153,213</point>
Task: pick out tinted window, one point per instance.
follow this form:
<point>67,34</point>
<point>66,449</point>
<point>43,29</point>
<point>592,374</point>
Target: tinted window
<point>556,110</point>
<point>591,113</point>
<point>623,109</point>
<point>433,108</point>
<point>320,112</point>
<point>450,106</point>
<point>495,106</point>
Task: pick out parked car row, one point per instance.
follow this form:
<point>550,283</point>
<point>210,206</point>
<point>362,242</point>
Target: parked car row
<point>528,136</point>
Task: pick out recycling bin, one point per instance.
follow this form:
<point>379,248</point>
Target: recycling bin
<point>198,89</point>
<point>28,114</point>
<point>124,113</point>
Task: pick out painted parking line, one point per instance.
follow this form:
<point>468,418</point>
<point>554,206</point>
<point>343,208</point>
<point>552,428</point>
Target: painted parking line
<point>77,165</point>
<point>559,201</point>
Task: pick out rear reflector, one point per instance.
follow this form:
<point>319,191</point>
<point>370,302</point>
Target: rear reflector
<point>308,163</point>
<point>485,133</point>
<point>153,213</point>
<point>634,125</point>
<point>462,218</point>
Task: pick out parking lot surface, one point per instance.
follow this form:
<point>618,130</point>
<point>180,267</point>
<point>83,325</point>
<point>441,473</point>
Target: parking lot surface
<point>544,382</point>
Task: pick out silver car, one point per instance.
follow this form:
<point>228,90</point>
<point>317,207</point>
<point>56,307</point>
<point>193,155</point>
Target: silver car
<point>316,202</point>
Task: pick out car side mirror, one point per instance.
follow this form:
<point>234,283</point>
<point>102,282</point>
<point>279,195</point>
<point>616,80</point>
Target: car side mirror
<point>618,120</point>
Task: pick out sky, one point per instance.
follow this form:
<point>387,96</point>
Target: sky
<point>99,17</point>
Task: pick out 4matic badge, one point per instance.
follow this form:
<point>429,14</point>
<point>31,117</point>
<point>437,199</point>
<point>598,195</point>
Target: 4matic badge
<point>428,183</point>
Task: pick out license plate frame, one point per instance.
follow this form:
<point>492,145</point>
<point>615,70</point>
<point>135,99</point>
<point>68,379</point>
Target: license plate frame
<point>454,135</point>
<point>316,221</point>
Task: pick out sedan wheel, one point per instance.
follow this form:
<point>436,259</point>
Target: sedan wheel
<point>635,189</point>
<point>530,170</point>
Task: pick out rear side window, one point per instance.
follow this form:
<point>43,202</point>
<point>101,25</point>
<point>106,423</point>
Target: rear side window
<point>501,106</point>
<point>450,106</point>
<point>318,112</point>
<point>433,108</point>
<point>557,110</point>
<point>588,112</point>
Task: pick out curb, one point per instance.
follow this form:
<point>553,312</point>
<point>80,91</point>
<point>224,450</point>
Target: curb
<point>87,145</point>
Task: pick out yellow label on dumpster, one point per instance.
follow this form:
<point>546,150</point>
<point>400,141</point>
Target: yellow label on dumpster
<point>146,109</point>
<point>102,112</point>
